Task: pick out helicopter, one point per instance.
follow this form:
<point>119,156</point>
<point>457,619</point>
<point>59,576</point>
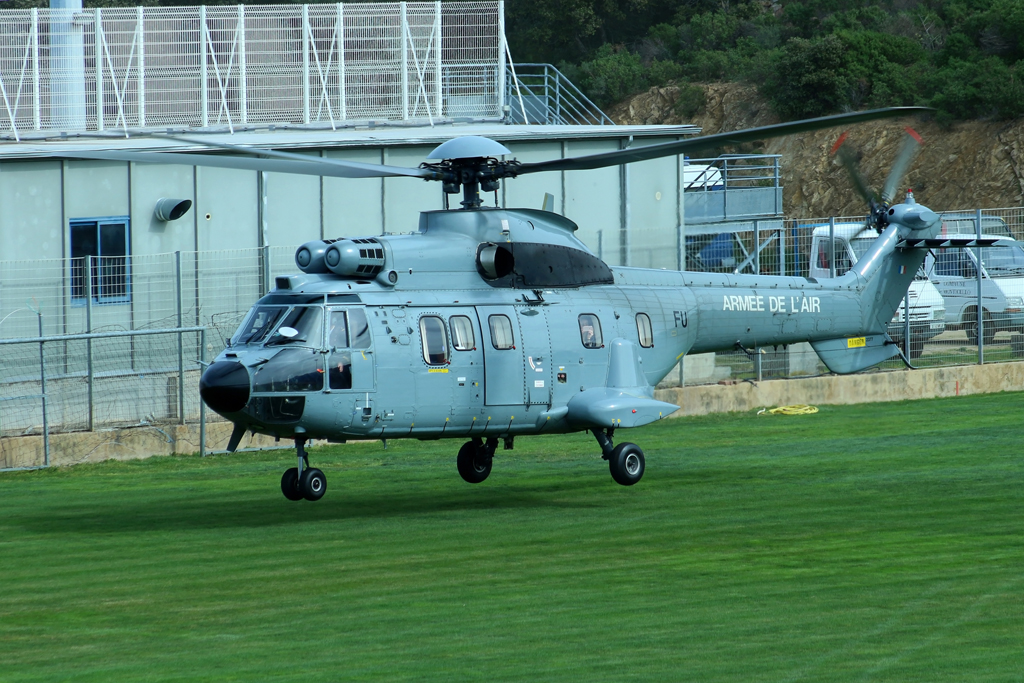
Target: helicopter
<point>490,323</point>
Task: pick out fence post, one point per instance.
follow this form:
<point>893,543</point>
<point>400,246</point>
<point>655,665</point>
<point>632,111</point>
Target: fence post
<point>404,29</point>
<point>202,404</point>
<point>204,97</point>
<point>88,329</point>
<point>181,349</point>
<point>981,311</point>
<point>831,246</point>
<point>36,113</point>
<point>243,77</point>
<point>906,320</point>
<point>438,78</point>
<point>98,50</point>
<point>782,249</point>
<point>141,32</point>
<point>305,63</point>
<point>42,391</point>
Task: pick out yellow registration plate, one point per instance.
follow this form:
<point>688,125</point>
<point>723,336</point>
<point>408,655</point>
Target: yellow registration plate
<point>856,342</point>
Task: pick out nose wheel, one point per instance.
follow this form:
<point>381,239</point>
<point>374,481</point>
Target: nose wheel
<point>625,461</point>
<point>303,481</point>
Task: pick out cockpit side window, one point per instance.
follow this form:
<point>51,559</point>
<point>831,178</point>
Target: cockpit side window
<point>435,340</point>
<point>590,331</point>
<point>359,328</point>
<point>337,336</point>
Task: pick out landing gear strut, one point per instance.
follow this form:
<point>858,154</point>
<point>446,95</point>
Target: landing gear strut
<point>626,461</point>
<point>475,457</point>
<point>303,481</point>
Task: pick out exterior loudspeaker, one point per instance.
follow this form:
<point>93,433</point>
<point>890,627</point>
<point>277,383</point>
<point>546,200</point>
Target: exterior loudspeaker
<point>171,209</point>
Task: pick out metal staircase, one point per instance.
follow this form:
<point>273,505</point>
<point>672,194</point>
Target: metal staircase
<point>540,93</point>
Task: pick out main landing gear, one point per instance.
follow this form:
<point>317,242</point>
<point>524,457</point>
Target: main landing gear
<point>475,459</point>
<point>303,481</point>
<point>626,461</point>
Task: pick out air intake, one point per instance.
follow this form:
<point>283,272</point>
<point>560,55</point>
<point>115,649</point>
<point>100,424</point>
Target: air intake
<point>362,258</point>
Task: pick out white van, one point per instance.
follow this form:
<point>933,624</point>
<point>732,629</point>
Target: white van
<point>927,309</point>
<point>954,272</point>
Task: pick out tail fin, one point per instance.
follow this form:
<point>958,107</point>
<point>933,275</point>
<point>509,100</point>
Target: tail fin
<point>883,275</point>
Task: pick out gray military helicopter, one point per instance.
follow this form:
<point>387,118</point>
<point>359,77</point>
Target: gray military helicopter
<point>491,323</point>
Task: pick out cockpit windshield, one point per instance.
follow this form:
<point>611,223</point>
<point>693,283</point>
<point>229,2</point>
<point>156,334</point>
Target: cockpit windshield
<point>307,325</point>
<point>305,321</point>
<point>258,325</point>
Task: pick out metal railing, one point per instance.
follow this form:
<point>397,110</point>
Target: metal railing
<point>109,69</point>
<point>540,93</point>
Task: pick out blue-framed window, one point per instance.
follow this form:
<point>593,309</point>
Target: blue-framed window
<point>108,240</point>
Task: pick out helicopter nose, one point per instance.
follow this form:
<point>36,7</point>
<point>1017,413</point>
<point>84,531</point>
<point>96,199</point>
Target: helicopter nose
<point>225,386</point>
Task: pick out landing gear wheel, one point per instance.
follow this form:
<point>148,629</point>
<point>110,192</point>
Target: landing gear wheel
<point>626,463</point>
<point>313,484</point>
<point>474,462</point>
<point>290,484</point>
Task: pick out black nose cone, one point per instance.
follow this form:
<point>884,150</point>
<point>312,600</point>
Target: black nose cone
<point>225,386</point>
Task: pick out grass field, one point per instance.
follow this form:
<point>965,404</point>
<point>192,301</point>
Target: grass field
<point>879,542</point>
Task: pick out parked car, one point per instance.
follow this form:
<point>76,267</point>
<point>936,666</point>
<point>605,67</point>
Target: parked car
<point>955,274</point>
<point>927,309</point>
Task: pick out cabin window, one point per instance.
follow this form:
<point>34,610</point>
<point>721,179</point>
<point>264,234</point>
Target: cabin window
<point>435,340</point>
<point>106,241</point>
<point>462,333</point>
<point>501,332</point>
<point>590,331</point>
<point>644,331</point>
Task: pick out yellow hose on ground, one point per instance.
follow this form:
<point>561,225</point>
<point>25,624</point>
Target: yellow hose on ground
<point>798,409</point>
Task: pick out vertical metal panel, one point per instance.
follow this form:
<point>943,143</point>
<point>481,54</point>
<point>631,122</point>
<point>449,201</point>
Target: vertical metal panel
<point>407,197</point>
<point>353,207</point>
<point>149,183</point>
<point>592,200</point>
<point>293,209</point>
<point>230,198</point>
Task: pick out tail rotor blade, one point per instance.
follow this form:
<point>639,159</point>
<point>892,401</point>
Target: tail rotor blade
<point>849,161</point>
<point>911,145</point>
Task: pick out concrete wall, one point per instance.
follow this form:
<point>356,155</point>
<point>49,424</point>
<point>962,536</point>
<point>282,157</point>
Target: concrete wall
<point>900,385</point>
<point>140,442</point>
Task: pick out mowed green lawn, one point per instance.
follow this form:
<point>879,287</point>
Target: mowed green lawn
<point>880,542</point>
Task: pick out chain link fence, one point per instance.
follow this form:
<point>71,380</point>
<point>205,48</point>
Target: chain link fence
<point>52,384</point>
<point>944,299</point>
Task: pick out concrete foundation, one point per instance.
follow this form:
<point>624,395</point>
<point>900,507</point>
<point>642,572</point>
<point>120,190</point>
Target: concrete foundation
<point>899,385</point>
<point>121,444</point>
<point>141,442</point>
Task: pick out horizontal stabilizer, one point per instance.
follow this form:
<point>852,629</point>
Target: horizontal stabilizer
<point>957,242</point>
<point>610,407</point>
<point>851,354</point>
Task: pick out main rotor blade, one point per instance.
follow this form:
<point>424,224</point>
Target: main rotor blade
<point>849,162</point>
<point>911,145</point>
<point>311,166</point>
<point>633,154</point>
<point>375,170</point>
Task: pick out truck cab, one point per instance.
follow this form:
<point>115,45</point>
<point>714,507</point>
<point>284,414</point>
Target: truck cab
<point>927,308</point>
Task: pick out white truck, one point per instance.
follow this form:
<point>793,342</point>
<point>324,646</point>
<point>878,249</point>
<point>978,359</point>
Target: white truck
<point>955,273</point>
<point>927,308</point>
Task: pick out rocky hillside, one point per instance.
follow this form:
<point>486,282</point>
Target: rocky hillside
<point>973,164</point>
